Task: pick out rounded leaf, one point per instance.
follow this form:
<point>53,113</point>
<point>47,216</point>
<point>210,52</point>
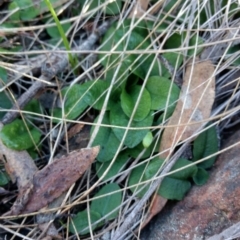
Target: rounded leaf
<point>205,144</point>
<point>133,137</point>
<point>142,173</point>
<point>95,93</point>
<point>129,100</point>
<point>16,136</point>
<point>107,140</point>
<point>136,177</point>
<point>122,38</point>
<point>108,203</point>
<point>28,11</point>
<point>185,173</point>
<point>153,148</point>
<point>148,139</point>
<point>16,15</point>
<point>200,177</point>
<point>74,103</point>
<point>164,93</point>
<point>117,166</point>
<point>174,189</point>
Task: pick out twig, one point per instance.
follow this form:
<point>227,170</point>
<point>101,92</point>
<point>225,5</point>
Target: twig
<point>56,62</point>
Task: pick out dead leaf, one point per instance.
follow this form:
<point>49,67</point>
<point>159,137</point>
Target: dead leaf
<point>76,128</point>
<point>50,182</point>
<point>194,105</point>
<point>139,9</point>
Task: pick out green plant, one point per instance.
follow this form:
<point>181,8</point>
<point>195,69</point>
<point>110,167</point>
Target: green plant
<point>143,105</point>
<point>104,207</point>
<point>176,185</point>
<point>140,94</point>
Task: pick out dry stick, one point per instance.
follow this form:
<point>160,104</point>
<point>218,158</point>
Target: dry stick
<point>56,63</point>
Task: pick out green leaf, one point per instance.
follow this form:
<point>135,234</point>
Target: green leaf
<point>96,93</point>
<point>134,152</point>
<point>160,89</point>
<point>200,177</point>
<point>133,137</point>
<point>185,173</point>
<point>204,145</point>
<point>116,168</point>
<point>28,11</point>
<point>234,50</point>
<point>230,9</point>
<point>179,40</point>
<point>3,76</point>
<point>128,102</point>
<point>15,135</point>
<point>141,28</point>
<point>5,103</point>
<point>154,26</point>
<point>75,103</point>
<point>136,177</point>
<point>4,178</point>
<point>33,106</point>
<point>174,189</point>
<point>131,41</point>
<point>165,115</point>
<point>33,152</point>
<point>15,16</point>
<point>147,139</point>
<point>174,41</point>
<point>107,140</point>
<point>142,173</point>
<point>53,32</point>
<point>81,224</point>
<point>153,167</point>
<point>106,204</point>
<point>119,73</point>
<point>192,42</point>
